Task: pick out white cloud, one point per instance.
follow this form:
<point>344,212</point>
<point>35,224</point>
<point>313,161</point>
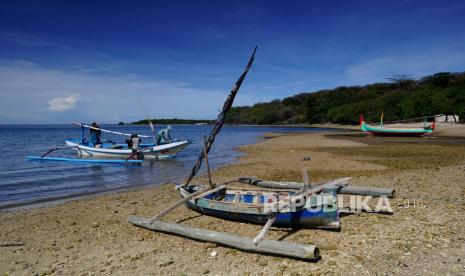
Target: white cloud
<point>34,94</point>
<point>63,104</point>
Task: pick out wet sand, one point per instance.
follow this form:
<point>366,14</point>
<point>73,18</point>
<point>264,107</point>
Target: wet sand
<point>426,235</point>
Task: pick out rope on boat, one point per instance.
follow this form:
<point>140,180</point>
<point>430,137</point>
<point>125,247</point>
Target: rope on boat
<point>220,119</point>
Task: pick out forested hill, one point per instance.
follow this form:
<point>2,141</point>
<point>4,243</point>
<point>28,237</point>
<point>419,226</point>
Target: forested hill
<point>401,98</point>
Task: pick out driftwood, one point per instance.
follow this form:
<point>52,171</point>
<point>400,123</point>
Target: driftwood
<point>280,248</point>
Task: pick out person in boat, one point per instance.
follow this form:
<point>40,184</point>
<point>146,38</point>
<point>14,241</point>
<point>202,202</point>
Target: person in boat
<point>95,135</point>
<point>164,136</point>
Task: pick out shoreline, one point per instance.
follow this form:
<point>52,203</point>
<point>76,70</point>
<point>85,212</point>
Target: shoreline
<point>62,199</point>
<point>92,235</point>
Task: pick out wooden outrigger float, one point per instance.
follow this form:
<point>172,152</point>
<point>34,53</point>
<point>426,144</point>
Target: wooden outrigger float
<point>275,204</point>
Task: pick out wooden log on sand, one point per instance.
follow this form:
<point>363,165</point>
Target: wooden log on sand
<point>280,248</point>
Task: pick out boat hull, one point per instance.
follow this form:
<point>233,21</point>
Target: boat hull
<point>244,207</point>
<point>166,151</point>
<point>397,132</point>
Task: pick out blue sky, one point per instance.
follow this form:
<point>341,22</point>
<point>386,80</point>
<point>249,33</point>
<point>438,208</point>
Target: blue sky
<point>63,61</point>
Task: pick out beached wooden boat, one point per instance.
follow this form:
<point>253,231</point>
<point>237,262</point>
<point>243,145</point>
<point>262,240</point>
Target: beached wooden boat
<point>390,131</point>
<point>257,206</point>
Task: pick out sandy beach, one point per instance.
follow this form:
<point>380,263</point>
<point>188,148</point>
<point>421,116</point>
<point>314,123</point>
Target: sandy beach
<point>426,234</point>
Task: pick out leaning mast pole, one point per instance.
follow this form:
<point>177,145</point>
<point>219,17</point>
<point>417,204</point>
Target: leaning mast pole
<point>220,119</point>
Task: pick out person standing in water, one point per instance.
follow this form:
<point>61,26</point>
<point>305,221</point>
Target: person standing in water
<point>95,134</point>
<point>163,136</point>
<point>135,142</point>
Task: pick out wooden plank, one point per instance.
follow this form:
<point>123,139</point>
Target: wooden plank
<point>280,248</point>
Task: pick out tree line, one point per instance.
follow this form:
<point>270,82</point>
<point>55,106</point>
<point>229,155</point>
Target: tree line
<point>400,98</point>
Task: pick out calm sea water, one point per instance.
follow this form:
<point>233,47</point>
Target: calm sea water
<point>28,183</point>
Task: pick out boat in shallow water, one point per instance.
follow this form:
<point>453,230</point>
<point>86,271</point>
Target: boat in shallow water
<point>111,152</point>
<point>110,149</point>
<point>121,151</point>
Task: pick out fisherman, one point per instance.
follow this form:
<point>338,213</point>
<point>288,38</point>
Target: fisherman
<point>135,142</point>
<point>95,134</point>
<point>163,136</point>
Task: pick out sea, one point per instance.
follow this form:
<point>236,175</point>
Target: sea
<point>29,184</point>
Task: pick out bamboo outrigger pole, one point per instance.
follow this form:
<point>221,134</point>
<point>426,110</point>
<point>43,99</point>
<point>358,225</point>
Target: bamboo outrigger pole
<point>305,252</point>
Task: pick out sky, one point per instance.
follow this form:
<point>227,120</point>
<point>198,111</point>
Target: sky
<point>68,61</point>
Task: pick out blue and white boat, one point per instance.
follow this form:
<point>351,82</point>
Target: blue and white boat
<point>109,149</point>
<point>111,152</point>
<point>121,151</point>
